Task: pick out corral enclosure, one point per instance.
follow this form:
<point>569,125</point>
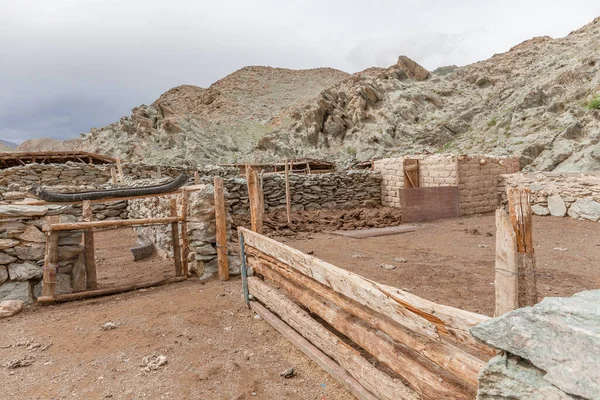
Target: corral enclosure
<point>477,183</point>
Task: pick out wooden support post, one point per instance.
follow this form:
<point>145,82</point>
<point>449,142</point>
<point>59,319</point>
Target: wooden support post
<point>519,205</point>
<point>113,175</point>
<point>507,272</point>
<point>288,199</point>
<point>120,169</point>
<point>88,239</point>
<point>196,178</point>
<point>254,199</point>
<point>158,172</point>
<point>221,217</point>
<point>175,237</point>
<point>50,261</point>
<point>185,251</point>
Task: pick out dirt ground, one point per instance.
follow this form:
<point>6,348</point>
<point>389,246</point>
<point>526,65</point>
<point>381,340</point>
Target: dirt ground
<point>452,262</point>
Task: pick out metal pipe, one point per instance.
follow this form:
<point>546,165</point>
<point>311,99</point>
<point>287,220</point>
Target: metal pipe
<point>244,271</point>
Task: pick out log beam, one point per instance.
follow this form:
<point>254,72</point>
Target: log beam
<point>88,240</point>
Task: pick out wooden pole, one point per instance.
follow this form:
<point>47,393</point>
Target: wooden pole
<point>50,261</point>
<point>507,271</point>
<point>120,169</point>
<point>113,175</point>
<point>175,236</point>
<point>158,172</point>
<point>220,215</point>
<point>196,178</point>
<point>288,199</point>
<point>71,226</point>
<point>519,206</point>
<point>184,234</point>
<point>88,239</point>
<point>254,199</point>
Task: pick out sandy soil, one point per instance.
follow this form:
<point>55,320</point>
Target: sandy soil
<point>452,262</point>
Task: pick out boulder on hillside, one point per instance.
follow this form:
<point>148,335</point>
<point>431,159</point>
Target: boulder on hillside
<point>412,69</point>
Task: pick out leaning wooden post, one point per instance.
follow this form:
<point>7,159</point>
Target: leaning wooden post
<point>507,273</point>
<point>120,169</point>
<point>184,236</point>
<point>519,205</point>
<point>88,240</point>
<point>113,175</point>
<point>220,215</point>
<point>254,199</point>
<point>175,236</point>
<point>288,200</point>
<point>50,260</point>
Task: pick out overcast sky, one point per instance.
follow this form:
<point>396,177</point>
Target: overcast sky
<point>68,66</point>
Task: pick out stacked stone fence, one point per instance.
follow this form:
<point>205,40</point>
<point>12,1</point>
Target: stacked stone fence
<point>22,250</point>
<point>575,194</point>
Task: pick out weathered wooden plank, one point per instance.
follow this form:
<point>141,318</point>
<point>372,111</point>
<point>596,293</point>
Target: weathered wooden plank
<point>426,378</point>
<point>185,245</point>
<point>90,253</point>
<point>507,285</point>
<point>333,369</point>
<point>113,175</point>
<point>70,226</point>
<point>175,238</point>
<point>221,233</point>
<point>422,316</point>
<point>377,382</point>
<point>288,197</point>
<point>462,365</point>
<point>50,260</point>
<point>120,170</point>
<point>254,200</point>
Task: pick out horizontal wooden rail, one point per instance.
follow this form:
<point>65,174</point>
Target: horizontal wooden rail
<point>104,224</point>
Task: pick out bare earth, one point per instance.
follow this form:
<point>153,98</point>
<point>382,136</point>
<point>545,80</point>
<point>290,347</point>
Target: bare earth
<point>214,346</point>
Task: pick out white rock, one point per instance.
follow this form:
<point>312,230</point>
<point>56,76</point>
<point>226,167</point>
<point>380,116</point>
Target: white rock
<point>22,210</point>
<point>585,209</point>
<point>557,206</point>
<point>8,308</point>
<point>540,210</point>
<point>24,271</point>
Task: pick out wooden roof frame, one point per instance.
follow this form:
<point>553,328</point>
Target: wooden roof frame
<point>14,159</point>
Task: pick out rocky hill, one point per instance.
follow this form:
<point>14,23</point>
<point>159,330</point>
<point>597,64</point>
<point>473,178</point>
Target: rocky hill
<point>535,101</point>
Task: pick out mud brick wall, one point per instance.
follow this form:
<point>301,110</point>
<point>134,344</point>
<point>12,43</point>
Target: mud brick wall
<point>338,190</point>
<point>558,193</point>
<point>478,182</point>
<point>22,249</point>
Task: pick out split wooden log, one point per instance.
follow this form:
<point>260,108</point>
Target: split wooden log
<point>506,269</point>
<point>333,369</point>
<point>459,363</point>
<point>120,169</point>
<point>288,197</point>
<point>377,382</point>
<point>50,260</point>
<point>185,245</point>
<point>254,199</point>
<point>113,175</point>
<point>519,206</point>
<point>221,223</point>
<point>175,238</point>
<point>425,378</point>
<point>90,253</point>
<point>71,226</point>
<point>436,321</point>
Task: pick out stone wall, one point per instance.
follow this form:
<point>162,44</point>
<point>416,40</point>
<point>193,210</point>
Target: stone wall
<point>22,249</point>
<point>478,182</point>
<point>201,232</point>
<point>477,178</point>
<point>338,190</point>
<point>558,193</point>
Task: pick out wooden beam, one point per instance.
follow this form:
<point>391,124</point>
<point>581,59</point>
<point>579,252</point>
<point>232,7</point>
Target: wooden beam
<point>88,239</point>
<point>158,172</point>
<point>113,175</point>
<point>107,224</point>
<point>288,197</point>
<point>519,206</point>
<point>50,260</point>
<point>62,298</point>
<point>375,381</point>
<point>175,238</point>
<point>254,199</point>
<point>120,169</point>
<point>456,361</point>
<point>506,269</point>
<point>425,317</point>
<point>221,223</point>
<point>320,358</point>
<point>185,245</point>
<point>196,178</point>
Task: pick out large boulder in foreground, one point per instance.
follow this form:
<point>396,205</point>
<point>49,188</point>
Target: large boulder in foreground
<point>558,346</point>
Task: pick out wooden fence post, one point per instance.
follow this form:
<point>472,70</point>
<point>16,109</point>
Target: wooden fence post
<point>506,269</point>
<point>175,236</point>
<point>120,169</point>
<point>220,215</point>
<point>519,205</point>
<point>196,178</point>
<point>50,260</point>
<point>88,239</point>
<point>288,200</point>
<point>113,175</point>
<point>254,199</point>
<point>184,236</point>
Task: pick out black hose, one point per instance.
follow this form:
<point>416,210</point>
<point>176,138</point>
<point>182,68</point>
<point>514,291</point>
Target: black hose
<point>55,197</point>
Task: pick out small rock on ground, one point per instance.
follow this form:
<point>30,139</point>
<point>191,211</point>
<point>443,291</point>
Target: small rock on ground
<point>8,308</point>
<point>387,266</point>
<point>153,362</point>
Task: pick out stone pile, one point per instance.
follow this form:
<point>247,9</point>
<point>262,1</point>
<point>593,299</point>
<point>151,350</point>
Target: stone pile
<point>559,194</point>
<point>550,351</point>
<point>22,250</point>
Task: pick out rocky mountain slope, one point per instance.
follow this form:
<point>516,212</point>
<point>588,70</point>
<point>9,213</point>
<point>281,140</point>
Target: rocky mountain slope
<point>535,101</point>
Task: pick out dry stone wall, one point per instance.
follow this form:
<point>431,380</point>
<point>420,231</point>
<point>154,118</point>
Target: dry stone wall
<point>558,194</point>
<point>22,249</point>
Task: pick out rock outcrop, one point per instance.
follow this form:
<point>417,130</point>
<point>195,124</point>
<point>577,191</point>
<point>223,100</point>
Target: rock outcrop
<point>552,350</point>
